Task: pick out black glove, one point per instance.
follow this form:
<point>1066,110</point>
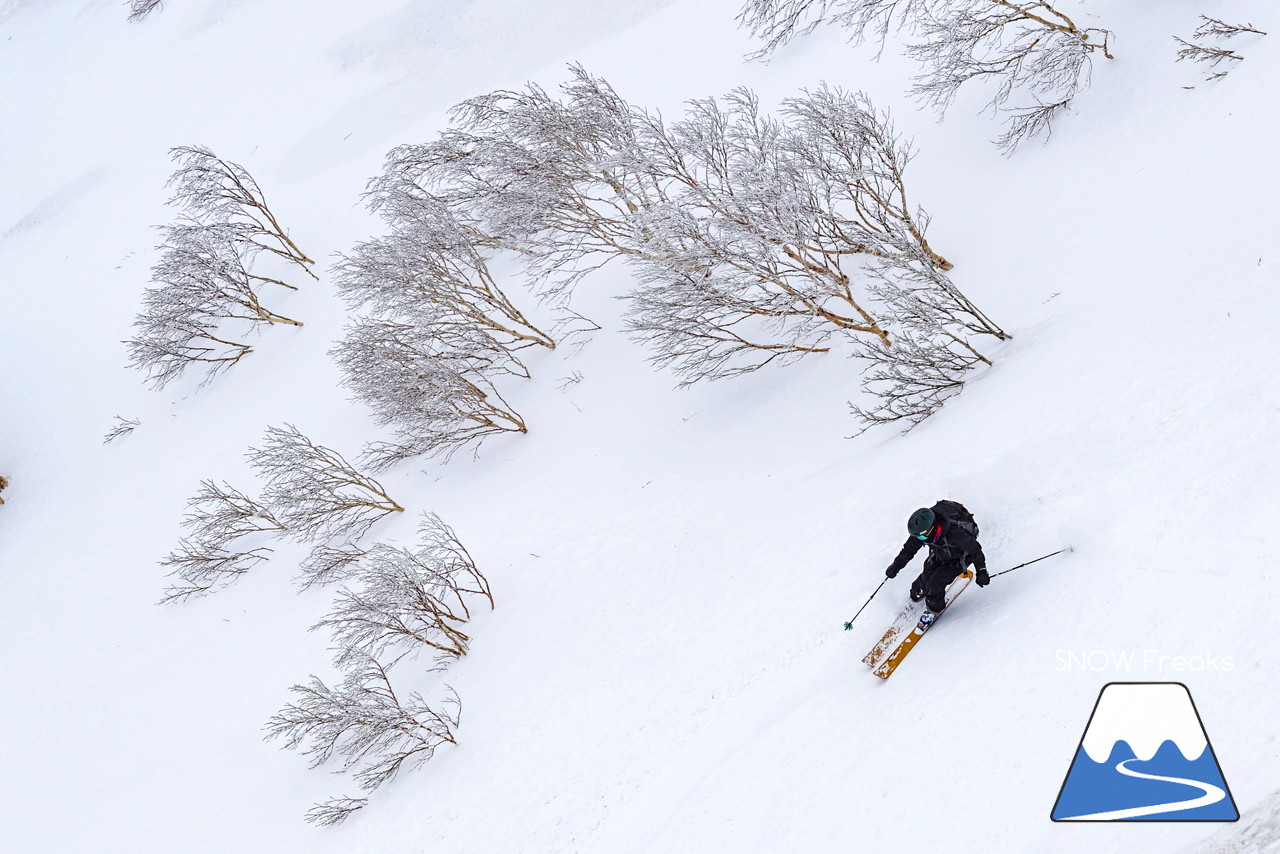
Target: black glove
<point>983,579</point>
<point>891,572</point>
<point>917,590</point>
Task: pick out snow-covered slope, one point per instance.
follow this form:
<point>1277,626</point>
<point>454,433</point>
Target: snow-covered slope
<point>665,669</point>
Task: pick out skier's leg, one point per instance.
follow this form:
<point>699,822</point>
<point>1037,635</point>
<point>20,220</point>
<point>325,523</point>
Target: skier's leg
<point>935,586</point>
<point>917,588</point>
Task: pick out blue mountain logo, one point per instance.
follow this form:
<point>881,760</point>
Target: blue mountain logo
<point>1145,756</point>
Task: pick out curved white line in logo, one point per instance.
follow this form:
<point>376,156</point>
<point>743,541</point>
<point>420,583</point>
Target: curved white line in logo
<point>1212,794</point>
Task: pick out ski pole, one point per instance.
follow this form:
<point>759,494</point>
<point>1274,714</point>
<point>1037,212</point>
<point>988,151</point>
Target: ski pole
<point>1037,560</point>
<point>849,624</point>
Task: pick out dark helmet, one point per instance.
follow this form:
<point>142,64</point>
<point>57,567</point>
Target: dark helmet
<point>921,523</point>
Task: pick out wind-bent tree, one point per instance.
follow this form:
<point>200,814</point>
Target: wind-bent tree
<point>207,557</point>
<point>746,231</point>
<point>761,248</point>
<point>213,191</point>
<point>184,315</point>
<point>754,238</point>
<point>1035,57</point>
<point>315,493</point>
<point>549,180</point>
<point>407,599</point>
<point>430,259</point>
<point>430,380</point>
<point>205,293</point>
<point>373,730</point>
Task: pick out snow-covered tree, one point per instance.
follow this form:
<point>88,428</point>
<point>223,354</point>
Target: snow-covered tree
<point>314,492</point>
<point>205,293</point>
<point>375,731</point>
<point>761,246</point>
<point>1032,55</point>
<point>4,484</point>
<point>430,259</point>
<point>208,557</point>
<point>201,286</point>
<point>403,599</point>
<point>755,238</point>
<point>216,192</point>
<point>545,177</point>
<point>431,380</point>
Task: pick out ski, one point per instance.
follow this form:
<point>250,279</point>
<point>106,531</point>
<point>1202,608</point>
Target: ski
<point>906,618</point>
<point>891,661</point>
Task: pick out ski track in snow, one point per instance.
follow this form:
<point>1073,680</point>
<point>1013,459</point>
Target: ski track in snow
<point>1212,794</point>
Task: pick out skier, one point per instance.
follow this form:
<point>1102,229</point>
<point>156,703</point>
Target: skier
<point>951,534</point>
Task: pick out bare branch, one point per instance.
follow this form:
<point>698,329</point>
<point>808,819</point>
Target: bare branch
<point>1025,48</point>
<point>408,600</point>
<point>431,380</point>
<point>1214,28</point>
<point>314,492</point>
<point>214,191</point>
<point>365,723</point>
<point>139,9</point>
<point>335,811</point>
<point>205,559</point>
<point>122,427</point>
<point>327,564</point>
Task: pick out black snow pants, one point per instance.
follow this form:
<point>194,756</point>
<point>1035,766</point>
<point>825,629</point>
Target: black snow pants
<point>934,580</point>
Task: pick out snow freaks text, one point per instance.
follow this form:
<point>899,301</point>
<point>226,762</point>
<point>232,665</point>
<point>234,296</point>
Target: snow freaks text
<point>1147,661</point>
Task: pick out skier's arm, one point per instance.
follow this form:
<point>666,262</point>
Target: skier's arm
<point>976,557</point>
<point>979,561</point>
<point>904,557</point>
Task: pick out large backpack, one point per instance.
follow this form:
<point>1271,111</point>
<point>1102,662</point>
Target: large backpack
<point>958,515</point>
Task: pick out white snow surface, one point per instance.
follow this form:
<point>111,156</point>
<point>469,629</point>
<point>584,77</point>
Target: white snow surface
<point>1145,716</point>
<point>665,669</point>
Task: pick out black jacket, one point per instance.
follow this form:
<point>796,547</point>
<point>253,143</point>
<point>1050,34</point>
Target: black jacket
<point>954,548</point>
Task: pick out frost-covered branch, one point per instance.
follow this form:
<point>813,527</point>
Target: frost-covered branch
<point>405,600</point>
<point>543,177</point>
<point>431,380</point>
<point>1215,28</point>
<point>204,566</point>
<point>213,191</point>
<point>122,427</point>
<point>326,564</point>
<point>364,723</point>
<point>335,811</point>
<point>201,284</point>
<point>314,492</point>
<point>762,251</point>
<point>1022,49</point>
<point>139,9</point>
<point>430,259</point>
<point>1208,54</point>
<point>206,558</point>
